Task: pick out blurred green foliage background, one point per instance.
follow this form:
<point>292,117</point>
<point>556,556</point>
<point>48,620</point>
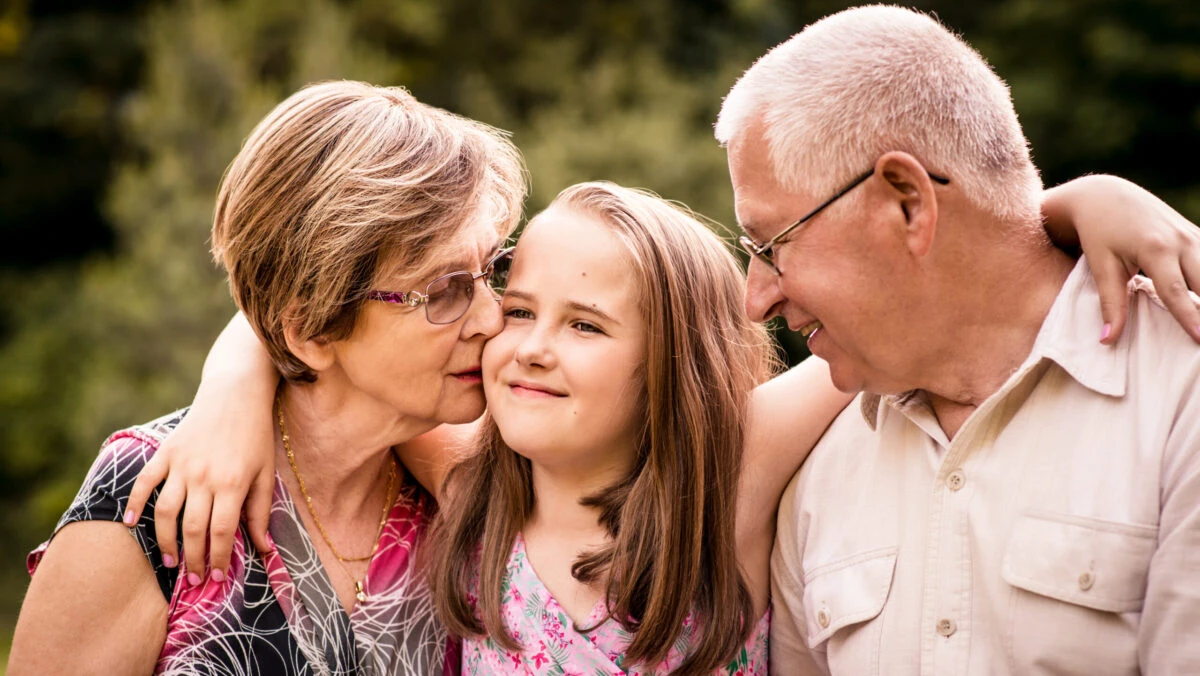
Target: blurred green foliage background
<point>117,119</point>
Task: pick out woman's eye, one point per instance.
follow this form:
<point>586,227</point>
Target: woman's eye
<point>518,313</point>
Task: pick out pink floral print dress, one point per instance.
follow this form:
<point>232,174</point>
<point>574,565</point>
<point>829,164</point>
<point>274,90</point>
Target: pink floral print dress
<point>553,646</point>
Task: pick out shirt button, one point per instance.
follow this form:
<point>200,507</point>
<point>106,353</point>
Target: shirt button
<point>946,627</point>
<point>823,618</point>
<point>1086,580</point>
<point>956,479</point>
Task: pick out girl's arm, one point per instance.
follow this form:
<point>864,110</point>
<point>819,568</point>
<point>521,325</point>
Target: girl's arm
<point>1122,229</point>
<point>788,414</point>
<point>221,455</point>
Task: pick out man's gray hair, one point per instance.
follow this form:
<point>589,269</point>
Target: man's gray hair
<point>870,80</point>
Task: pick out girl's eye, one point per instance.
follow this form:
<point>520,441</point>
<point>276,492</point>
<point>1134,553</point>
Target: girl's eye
<point>518,313</point>
<point>587,327</point>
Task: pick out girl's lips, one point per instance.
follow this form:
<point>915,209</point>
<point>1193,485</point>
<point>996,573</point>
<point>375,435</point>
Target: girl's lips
<point>525,389</point>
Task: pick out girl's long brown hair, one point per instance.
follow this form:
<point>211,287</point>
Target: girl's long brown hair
<point>672,518</point>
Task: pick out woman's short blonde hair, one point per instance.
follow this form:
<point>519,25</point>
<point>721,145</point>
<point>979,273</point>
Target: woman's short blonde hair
<point>338,180</point>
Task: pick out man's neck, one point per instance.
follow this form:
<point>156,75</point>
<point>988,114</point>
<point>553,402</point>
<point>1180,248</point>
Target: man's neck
<point>991,333</point>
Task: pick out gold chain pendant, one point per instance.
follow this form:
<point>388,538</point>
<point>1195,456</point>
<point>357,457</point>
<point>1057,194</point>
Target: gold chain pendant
<point>360,594</point>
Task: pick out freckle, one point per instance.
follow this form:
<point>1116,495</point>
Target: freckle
<point>583,274</point>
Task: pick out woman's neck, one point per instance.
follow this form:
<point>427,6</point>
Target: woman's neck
<point>342,452</point>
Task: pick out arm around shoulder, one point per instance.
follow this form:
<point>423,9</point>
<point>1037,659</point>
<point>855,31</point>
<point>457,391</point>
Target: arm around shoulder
<point>93,607</point>
<point>789,633</point>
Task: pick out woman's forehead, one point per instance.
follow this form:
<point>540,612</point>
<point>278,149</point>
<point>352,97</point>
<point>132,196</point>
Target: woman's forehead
<point>467,250</point>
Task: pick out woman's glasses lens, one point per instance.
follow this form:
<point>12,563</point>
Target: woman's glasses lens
<point>497,278</point>
<point>449,297</point>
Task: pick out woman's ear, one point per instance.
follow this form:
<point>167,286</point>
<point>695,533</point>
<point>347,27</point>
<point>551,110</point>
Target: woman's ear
<point>909,185</point>
<point>317,352</point>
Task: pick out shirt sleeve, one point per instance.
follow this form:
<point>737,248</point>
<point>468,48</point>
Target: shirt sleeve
<point>1169,635</point>
<point>789,651</point>
<point>104,496</point>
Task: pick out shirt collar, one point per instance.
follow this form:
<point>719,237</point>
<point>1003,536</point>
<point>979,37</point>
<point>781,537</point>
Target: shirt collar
<point>1070,337</point>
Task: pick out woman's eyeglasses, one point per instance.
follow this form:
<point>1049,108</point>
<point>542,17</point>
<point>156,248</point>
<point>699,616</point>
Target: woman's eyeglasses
<point>448,297</point>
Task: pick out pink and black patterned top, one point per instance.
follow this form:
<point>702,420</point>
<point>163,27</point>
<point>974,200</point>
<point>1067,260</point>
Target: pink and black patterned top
<point>277,612</point>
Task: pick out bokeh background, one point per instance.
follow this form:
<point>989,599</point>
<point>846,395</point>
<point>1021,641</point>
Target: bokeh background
<point>117,119</point>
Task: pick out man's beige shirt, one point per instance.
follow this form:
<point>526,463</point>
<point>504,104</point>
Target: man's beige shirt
<point>1058,533</point>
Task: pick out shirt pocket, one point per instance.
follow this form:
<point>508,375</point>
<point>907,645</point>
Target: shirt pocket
<point>841,600</point>
<point>1080,584</point>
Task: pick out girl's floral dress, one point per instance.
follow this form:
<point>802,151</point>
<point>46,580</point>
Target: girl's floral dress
<point>277,612</point>
<point>552,646</point>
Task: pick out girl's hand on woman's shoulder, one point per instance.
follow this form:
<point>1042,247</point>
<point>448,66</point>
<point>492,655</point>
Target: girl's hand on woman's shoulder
<point>220,456</point>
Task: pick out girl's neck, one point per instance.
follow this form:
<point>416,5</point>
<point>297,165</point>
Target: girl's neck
<point>559,494</point>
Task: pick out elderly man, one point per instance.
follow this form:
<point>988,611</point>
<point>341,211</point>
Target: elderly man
<point>1008,495</point>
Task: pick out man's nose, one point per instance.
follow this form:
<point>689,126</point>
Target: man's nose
<point>764,297</point>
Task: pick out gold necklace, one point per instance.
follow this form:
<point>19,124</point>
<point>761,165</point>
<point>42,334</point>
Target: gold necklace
<point>359,592</point>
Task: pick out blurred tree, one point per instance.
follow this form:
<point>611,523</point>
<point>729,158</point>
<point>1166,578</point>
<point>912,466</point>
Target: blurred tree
<point>65,69</point>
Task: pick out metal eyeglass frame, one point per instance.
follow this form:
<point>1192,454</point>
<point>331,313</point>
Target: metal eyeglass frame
<point>415,299</point>
<point>763,252</point>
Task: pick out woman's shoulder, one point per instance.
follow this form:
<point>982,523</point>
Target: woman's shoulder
<point>105,491</point>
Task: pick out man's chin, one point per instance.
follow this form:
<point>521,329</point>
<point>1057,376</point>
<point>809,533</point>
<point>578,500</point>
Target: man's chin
<point>845,379</point>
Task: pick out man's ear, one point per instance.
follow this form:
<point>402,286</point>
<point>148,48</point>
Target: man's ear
<point>909,185</point>
<point>317,352</point>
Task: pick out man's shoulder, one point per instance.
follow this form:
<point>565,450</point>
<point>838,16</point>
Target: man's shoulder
<point>1158,344</point>
<point>838,450</point>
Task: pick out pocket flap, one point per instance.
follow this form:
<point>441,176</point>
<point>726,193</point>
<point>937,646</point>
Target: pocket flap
<point>846,592</point>
<point>1089,562</point>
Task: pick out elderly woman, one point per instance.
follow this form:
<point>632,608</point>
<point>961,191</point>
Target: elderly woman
<point>360,230</point>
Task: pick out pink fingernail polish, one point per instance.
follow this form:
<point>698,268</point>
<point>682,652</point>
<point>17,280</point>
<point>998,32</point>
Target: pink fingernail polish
<point>1105,332</point>
<point>128,517</point>
<point>194,579</point>
<point>218,575</point>
<point>168,561</point>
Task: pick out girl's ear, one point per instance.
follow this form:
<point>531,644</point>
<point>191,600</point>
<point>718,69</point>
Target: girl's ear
<point>910,187</point>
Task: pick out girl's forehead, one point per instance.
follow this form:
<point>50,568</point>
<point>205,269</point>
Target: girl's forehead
<point>577,257</point>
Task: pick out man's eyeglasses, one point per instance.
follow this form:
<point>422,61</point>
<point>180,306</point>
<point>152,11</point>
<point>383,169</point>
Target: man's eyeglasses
<point>447,298</point>
<point>765,252</point>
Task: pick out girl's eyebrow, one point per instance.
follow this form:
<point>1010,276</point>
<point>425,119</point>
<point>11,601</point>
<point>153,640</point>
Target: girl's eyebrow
<point>572,304</point>
<point>592,309</point>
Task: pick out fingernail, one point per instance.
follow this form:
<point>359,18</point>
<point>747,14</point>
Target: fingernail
<point>1104,333</point>
<point>217,575</point>
<point>128,517</point>
<point>194,579</point>
<point>168,561</point>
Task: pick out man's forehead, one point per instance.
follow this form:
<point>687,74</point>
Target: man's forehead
<point>759,202</point>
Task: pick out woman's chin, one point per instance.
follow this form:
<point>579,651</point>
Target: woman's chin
<point>463,411</point>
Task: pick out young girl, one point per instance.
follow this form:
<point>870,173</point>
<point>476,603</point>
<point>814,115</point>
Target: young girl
<point>592,531</point>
